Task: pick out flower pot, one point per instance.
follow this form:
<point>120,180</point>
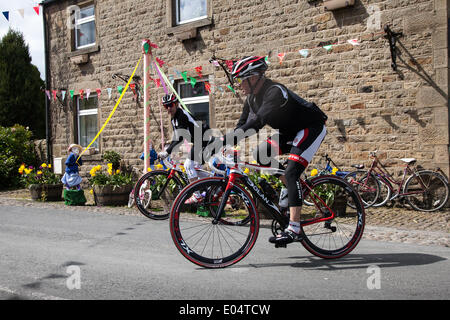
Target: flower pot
<point>46,192</point>
<point>110,196</point>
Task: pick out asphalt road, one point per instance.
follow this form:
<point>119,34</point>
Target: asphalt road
<point>58,254</point>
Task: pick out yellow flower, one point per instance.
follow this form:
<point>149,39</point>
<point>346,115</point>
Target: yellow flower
<point>44,165</point>
<point>22,167</point>
<point>39,172</point>
<point>254,162</point>
<point>91,191</point>
<point>334,170</point>
<point>314,172</point>
<point>149,169</point>
<point>49,166</point>
<point>110,172</point>
<point>110,165</point>
<point>117,171</point>
<point>27,171</point>
<point>159,166</point>
<point>246,171</point>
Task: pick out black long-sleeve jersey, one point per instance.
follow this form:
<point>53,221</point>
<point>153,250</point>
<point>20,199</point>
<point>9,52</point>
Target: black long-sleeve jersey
<point>183,120</point>
<point>281,109</point>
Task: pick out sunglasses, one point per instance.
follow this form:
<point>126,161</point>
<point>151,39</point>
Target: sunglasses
<point>240,80</point>
<point>167,106</point>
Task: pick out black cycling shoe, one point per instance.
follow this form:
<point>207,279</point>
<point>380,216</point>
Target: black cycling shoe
<point>285,238</point>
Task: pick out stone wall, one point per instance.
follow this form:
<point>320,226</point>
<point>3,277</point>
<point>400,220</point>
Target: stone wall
<point>401,113</point>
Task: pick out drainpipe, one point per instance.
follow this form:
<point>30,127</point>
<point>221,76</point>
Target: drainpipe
<point>47,85</point>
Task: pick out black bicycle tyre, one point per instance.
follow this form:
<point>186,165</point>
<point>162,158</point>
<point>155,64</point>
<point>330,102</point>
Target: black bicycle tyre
<point>190,253</point>
<point>359,228</point>
<point>367,203</point>
<point>145,211</point>
<point>434,174</point>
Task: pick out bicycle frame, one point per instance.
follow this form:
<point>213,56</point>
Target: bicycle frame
<point>381,172</point>
<point>238,177</point>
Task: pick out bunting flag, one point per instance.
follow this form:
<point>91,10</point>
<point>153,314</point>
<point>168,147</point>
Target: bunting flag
<point>6,14</point>
<point>267,59</point>
<point>160,62</point>
<point>36,9</point>
<point>71,94</point>
<point>231,88</point>
<point>157,82</point>
<point>304,53</point>
<point>47,92</point>
<point>193,82</point>
<point>81,94</point>
<point>109,92</point>
<point>99,91</point>
<point>199,71</point>
<point>21,12</point>
<point>207,86</point>
<point>120,89</point>
<point>133,88</point>
<point>161,80</point>
<point>353,42</point>
<point>281,56</point>
<point>88,93</point>
<point>63,94</point>
<point>185,77</point>
<point>229,64</point>
<point>54,94</point>
<point>328,47</point>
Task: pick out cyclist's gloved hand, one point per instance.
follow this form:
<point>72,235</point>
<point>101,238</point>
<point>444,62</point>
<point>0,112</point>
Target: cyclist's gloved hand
<point>163,154</point>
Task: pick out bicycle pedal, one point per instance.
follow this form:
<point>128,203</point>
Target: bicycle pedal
<point>280,245</point>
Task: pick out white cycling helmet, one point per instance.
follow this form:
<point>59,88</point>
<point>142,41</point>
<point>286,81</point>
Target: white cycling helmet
<point>249,66</point>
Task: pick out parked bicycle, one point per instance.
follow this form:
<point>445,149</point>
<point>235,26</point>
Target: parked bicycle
<point>331,227</point>
<point>423,190</point>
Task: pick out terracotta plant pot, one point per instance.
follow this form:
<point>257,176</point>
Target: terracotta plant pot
<point>110,196</point>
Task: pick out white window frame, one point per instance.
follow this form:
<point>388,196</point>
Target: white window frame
<point>86,112</point>
<point>83,21</point>
<point>195,100</point>
<point>177,14</point>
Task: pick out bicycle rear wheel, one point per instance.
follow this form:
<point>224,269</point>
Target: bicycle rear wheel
<point>332,238</point>
<point>204,241</point>
<point>154,193</point>
<point>366,185</point>
<point>426,191</point>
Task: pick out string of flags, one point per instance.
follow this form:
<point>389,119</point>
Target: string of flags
<point>21,11</point>
<point>192,79</point>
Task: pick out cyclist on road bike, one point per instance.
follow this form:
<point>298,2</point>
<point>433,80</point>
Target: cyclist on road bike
<point>301,130</point>
<point>182,120</point>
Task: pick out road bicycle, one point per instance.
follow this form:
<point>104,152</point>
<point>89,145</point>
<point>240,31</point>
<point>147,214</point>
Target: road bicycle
<point>331,228</point>
<point>423,190</point>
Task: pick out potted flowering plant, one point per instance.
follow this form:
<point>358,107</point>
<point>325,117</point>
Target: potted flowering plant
<point>42,182</point>
<point>110,186</point>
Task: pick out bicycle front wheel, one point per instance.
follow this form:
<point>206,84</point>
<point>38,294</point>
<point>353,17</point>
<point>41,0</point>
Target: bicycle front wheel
<point>154,193</point>
<point>426,191</point>
<point>332,238</point>
<point>210,242</point>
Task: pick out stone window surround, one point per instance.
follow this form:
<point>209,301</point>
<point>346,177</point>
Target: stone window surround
<point>187,30</point>
<point>81,56</point>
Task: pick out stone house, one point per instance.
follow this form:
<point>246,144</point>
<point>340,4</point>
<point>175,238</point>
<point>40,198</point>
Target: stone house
<point>339,58</point>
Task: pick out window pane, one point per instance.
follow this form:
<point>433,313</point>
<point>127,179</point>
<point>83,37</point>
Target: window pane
<point>191,9</point>
<point>86,33</point>
<point>187,91</point>
<point>200,111</point>
<point>86,12</point>
<point>86,104</point>
<point>88,130</point>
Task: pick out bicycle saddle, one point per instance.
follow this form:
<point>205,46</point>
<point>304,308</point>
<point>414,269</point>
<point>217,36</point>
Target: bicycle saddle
<point>358,166</point>
<point>409,160</point>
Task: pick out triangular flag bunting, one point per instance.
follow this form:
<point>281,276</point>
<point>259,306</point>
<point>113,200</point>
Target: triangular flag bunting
<point>81,94</point>
<point>99,91</point>
<point>36,9</point>
<point>157,82</point>
<point>281,56</point>
<point>193,82</point>
<point>160,62</point>
<point>109,92</point>
<point>353,42</point>
<point>133,88</point>
<point>54,94</point>
<point>199,71</point>
<point>208,87</point>
<point>184,75</point>
<point>304,53</point>
<point>231,88</point>
<point>229,64</point>
<point>267,59</point>
<point>6,14</point>
<point>71,93</point>
<point>21,12</point>
<point>47,92</point>
<point>120,89</point>
<point>88,93</point>
<point>328,48</point>
<point>63,94</point>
